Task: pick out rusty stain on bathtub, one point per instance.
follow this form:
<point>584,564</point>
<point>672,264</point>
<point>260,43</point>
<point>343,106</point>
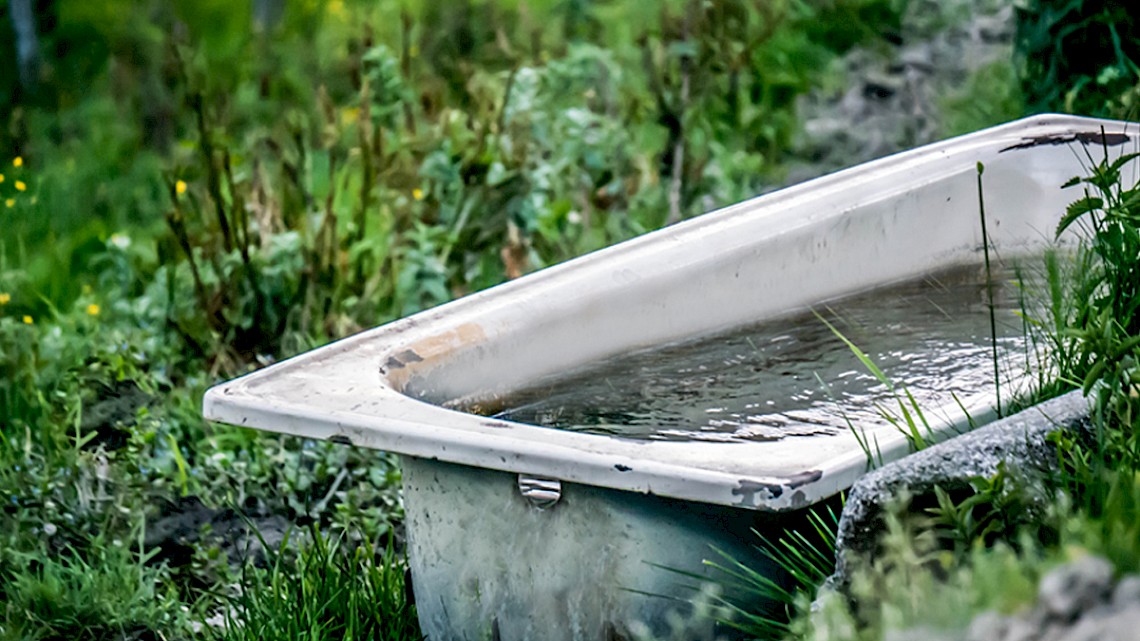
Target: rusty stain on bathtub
<point>409,356</point>
<point>803,478</point>
<point>445,342</point>
<point>425,353</point>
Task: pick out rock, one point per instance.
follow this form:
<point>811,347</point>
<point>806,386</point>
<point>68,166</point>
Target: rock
<point>988,626</point>
<point>1021,630</point>
<point>918,56</point>
<point>994,29</point>
<point>894,91</point>
<point>1074,588</point>
<point>920,634</point>
<point>1076,602</point>
<point>1106,625</point>
<point>1018,441</point>
<point>1127,592</point>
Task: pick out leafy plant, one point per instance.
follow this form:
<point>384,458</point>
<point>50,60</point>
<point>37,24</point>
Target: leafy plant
<point>1088,335</point>
<point>1107,325</point>
<point>992,509</point>
<point>1078,56</point>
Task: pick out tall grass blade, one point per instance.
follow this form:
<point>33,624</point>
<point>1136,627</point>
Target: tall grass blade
<point>989,288</point>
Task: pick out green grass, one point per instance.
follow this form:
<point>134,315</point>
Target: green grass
<point>974,550</point>
<point>965,553</point>
<point>804,557</point>
<point>105,590</point>
<point>198,200</point>
<point>353,163</point>
<point>323,591</point>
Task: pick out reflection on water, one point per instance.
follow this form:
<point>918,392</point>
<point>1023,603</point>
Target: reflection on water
<point>793,376</point>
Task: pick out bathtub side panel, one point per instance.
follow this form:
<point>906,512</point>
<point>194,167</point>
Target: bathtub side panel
<point>488,564</point>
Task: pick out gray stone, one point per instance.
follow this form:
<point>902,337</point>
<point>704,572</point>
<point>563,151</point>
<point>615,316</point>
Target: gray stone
<point>1022,630</point>
<point>997,28</point>
<point>1127,593</point>
<point>893,96</point>
<point>920,634</point>
<point>1076,602</point>
<point>1076,587</point>
<point>919,56</point>
<point>988,626</point>
<point>1106,626</point>
<point>1018,441</point>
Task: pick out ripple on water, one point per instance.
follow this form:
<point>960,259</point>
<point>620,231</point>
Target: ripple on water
<point>793,376</point>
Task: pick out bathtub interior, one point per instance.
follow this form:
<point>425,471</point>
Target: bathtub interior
<point>748,266</point>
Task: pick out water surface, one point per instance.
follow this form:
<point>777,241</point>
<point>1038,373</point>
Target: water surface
<point>793,376</point>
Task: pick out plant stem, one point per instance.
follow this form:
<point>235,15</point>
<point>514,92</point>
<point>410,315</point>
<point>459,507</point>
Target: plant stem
<point>989,288</point>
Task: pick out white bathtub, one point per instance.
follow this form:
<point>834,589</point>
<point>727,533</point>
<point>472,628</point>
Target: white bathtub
<point>489,563</point>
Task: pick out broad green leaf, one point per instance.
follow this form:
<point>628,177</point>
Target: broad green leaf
<point>1076,210</point>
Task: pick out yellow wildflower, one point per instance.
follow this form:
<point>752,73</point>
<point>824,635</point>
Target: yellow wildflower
<point>20,186</point>
<point>92,310</point>
<point>180,187</point>
<point>5,298</point>
<point>27,320</point>
<point>418,194</point>
<point>1,178</point>
<point>10,203</point>
<point>18,161</point>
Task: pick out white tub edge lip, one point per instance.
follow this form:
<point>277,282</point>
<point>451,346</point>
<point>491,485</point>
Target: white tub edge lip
<point>411,427</point>
<point>546,459</point>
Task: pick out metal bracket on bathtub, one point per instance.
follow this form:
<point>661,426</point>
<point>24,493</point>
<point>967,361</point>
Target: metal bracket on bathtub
<point>541,493</point>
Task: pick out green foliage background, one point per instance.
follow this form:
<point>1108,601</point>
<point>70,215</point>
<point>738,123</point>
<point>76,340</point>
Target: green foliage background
<point>204,194</point>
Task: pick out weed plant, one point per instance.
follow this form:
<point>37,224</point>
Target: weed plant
<point>1106,330</point>
<point>324,591</point>
<point>804,557</point>
<point>1085,335</point>
<point>105,590</point>
<point>1079,56</point>
<point>192,198</point>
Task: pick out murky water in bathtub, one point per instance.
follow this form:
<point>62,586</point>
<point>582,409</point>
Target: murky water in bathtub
<point>794,376</point>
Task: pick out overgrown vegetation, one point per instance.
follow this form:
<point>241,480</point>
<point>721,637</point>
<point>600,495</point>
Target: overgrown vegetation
<point>972,553</point>
<point>323,593</point>
<point>1080,56</point>
<point>191,190</point>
